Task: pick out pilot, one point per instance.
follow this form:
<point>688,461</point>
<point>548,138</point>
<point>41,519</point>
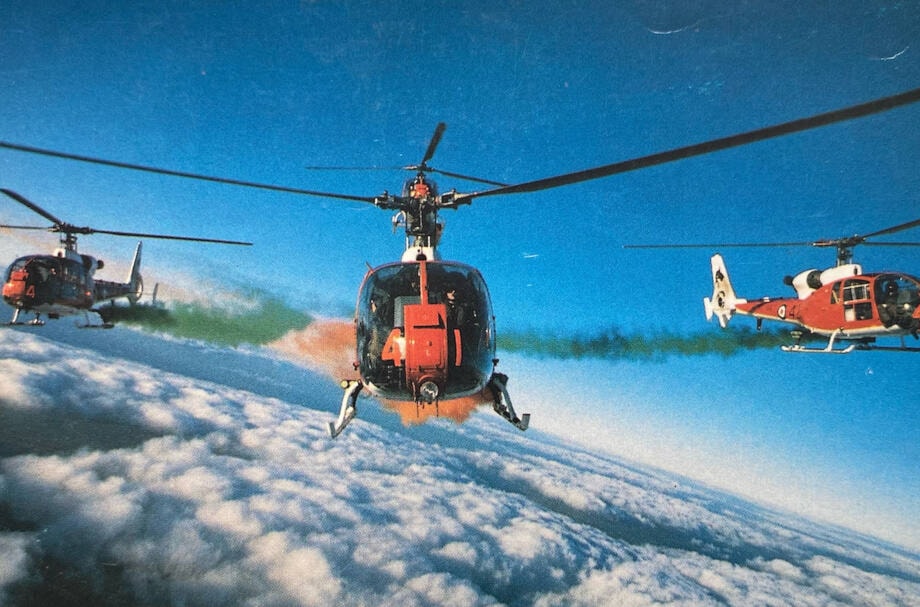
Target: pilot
<point>891,291</point>
<point>888,304</point>
<point>456,309</point>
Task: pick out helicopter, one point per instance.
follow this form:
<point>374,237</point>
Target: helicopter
<point>424,327</point>
<point>63,283</point>
<point>839,303</point>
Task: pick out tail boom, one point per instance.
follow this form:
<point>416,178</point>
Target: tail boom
<point>104,290</point>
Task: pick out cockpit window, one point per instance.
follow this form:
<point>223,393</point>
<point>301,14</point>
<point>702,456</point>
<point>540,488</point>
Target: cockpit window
<point>855,289</point>
<point>39,267</point>
<point>897,289</point>
<point>897,297</point>
<point>468,323</point>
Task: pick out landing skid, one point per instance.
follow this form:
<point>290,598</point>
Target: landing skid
<point>349,407</point>
<point>827,350</point>
<point>890,348</point>
<point>91,325</point>
<point>864,344</point>
<point>501,404</point>
<point>498,384</point>
<point>35,322</point>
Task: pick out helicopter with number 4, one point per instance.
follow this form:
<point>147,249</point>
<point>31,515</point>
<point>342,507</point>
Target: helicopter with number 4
<point>424,327</point>
<point>64,283</point>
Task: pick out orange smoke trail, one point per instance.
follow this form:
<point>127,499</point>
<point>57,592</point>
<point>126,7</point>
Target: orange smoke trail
<point>457,409</point>
<point>329,346</point>
<point>326,345</point>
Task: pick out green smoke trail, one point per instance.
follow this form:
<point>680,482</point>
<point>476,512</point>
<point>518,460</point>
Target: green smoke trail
<point>270,320</point>
<point>614,344</point>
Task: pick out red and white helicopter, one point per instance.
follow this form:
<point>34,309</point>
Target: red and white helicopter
<point>840,303</point>
<point>64,283</point>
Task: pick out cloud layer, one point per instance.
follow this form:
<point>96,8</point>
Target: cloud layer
<point>138,484</point>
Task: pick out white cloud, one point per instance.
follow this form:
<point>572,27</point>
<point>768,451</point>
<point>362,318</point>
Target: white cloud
<point>217,494</point>
<point>302,573</point>
<point>14,560</point>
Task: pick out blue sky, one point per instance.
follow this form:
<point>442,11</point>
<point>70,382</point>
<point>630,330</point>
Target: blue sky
<point>527,91</point>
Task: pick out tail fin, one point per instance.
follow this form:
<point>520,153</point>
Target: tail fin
<point>135,282</point>
<point>723,300</point>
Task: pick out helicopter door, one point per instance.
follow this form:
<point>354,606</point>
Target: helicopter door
<point>857,300</point>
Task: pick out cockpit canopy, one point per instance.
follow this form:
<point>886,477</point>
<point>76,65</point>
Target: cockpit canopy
<point>47,279</point>
<point>429,320</point>
<point>897,297</point>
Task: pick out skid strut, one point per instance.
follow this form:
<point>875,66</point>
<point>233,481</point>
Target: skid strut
<point>498,384</point>
<point>502,401</point>
<point>88,324</point>
<point>349,406</point>
<point>829,349</point>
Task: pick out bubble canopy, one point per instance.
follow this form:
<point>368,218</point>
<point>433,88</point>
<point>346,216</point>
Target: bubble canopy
<point>425,328</point>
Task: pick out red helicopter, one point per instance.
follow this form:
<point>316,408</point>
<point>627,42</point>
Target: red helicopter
<point>424,328</point>
<point>839,303</point>
<point>64,283</point>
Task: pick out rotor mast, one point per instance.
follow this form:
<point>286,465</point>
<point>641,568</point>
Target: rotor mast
<point>417,213</point>
<point>846,244</point>
<point>417,208</point>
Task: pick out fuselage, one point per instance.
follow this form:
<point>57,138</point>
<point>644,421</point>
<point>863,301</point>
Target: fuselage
<point>850,306</point>
<point>59,285</point>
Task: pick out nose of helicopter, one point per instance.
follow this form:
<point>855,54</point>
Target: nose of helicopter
<point>16,290</point>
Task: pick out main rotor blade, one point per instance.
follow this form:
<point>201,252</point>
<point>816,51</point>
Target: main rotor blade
<point>717,245</point>
<point>818,120</point>
<point>169,237</point>
<point>725,245</point>
<point>312,167</point>
<point>892,244</point>
<point>706,147</point>
<point>62,226</point>
<point>893,229</point>
<point>9,227</point>
<point>466,177</point>
<point>433,144</point>
<point>28,203</point>
<point>186,175</point>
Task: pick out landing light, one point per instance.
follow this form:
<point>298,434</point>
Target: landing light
<point>429,391</point>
